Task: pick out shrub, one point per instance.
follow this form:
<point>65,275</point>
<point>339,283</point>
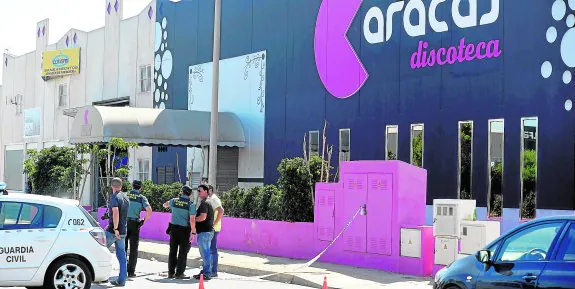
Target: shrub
<point>296,184</point>
<point>275,209</point>
<point>158,194</point>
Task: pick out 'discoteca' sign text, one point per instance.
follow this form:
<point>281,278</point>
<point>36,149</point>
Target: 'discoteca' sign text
<point>427,56</point>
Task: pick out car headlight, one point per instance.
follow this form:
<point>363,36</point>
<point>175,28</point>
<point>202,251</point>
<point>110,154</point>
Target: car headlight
<point>438,275</point>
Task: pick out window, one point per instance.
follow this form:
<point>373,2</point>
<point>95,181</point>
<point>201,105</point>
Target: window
<point>28,216</point>
<point>495,167</point>
<point>531,244</point>
<point>162,149</point>
<point>344,144</point>
<point>465,159</point>
<point>567,248</point>
<point>143,169</point>
<point>417,143</point>
<point>63,95</point>
<point>529,155</point>
<point>313,143</point>
<point>391,142</point>
<point>145,78</point>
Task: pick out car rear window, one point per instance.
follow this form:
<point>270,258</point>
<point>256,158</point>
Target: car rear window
<point>89,217</point>
<point>17,215</point>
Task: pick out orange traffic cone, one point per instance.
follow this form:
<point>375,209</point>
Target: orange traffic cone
<point>201,281</point>
<point>324,283</point>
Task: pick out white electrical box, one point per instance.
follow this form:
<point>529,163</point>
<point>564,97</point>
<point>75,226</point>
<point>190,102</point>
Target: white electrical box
<point>446,250</point>
<point>448,214</point>
<point>475,235</point>
<point>410,243</point>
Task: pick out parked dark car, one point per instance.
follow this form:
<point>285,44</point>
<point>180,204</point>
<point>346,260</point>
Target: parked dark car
<point>537,254</point>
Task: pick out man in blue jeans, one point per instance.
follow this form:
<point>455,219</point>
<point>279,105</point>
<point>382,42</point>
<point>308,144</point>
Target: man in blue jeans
<point>216,204</point>
<point>118,227</point>
<point>205,231</point>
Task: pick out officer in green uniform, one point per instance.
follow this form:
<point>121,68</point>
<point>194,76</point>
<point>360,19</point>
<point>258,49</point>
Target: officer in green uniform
<point>138,203</point>
<point>183,223</point>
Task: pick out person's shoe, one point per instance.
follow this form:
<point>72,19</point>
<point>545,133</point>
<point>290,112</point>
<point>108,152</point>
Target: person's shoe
<point>214,275</point>
<point>116,283</point>
<point>170,276</point>
<point>206,278</point>
<point>182,277</point>
<point>131,275</point>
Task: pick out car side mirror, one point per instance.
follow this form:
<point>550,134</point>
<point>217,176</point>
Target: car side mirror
<point>484,256</point>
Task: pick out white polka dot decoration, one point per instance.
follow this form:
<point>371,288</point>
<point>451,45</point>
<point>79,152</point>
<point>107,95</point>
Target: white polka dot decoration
<point>563,12</point>
<point>163,64</point>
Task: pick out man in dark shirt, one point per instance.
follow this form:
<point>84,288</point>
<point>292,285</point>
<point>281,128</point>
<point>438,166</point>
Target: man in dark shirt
<point>205,231</point>
<point>118,227</point>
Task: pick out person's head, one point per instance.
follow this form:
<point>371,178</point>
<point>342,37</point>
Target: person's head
<point>137,185</point>
<point>187,191</point>
<point>203,191</point>
<point>210,189</point>
<point>116,184</point>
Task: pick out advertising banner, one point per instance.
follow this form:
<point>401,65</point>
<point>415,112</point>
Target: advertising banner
<point>61,62</point>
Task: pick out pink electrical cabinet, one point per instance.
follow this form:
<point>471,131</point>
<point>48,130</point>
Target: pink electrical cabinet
<point>393,194</point>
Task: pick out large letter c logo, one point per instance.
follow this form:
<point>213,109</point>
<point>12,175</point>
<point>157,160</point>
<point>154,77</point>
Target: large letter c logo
<point>339,67</point>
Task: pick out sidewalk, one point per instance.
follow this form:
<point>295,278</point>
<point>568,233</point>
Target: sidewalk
<point>248,264</point>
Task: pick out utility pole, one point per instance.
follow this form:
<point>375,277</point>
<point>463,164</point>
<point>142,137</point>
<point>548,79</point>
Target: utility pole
<point>213,163</point>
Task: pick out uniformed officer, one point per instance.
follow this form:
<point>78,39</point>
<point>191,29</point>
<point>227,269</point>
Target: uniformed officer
<point>138,203</point>
<point>183,223</point>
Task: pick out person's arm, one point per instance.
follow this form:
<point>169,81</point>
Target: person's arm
<point>168,204</point>
<point>193,218</point>
<point>220,216</point>
<point>203,212</point>
<point>218,208</point>
<point>116,218</point>
<point>148,209</point>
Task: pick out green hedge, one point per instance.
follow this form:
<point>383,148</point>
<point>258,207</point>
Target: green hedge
<point>291,200</point>
<point>158,194</point>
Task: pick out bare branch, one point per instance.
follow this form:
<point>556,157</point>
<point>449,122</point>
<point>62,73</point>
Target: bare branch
<point>305,156</point>
<point>329,154</point>
<point>323,151</point>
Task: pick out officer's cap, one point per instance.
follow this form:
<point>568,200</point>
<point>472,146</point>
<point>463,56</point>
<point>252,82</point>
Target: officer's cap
<point>137,183</point>
<point>187,190</point>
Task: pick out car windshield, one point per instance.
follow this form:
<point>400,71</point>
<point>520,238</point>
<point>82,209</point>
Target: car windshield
<point>90,218</point>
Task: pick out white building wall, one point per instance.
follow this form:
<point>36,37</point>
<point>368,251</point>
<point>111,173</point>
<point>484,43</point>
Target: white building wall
<point>110,58</point>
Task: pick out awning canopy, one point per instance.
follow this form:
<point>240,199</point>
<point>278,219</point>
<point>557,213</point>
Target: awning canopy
<point>146,126</point>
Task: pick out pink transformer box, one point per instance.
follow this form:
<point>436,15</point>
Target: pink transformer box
<point>394,196</point>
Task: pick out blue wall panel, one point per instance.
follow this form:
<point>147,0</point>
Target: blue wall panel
<point>508,87</point>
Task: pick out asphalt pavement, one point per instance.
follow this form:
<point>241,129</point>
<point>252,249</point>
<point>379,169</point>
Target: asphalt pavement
<point>152,274</point>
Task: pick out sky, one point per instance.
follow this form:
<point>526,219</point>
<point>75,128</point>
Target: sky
<point>18,19</point>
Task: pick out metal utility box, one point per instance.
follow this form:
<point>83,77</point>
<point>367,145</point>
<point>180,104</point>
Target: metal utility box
<point>410,243</point>
<point>446,250</point>
<point>448,214</point>
<point>475,235</point>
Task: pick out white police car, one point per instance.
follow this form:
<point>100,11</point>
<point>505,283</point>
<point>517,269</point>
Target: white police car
<point>48,242</point>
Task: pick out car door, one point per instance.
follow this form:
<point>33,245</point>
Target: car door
<point>26,239</point>
<point>521,257</point>
<point>559,273</point>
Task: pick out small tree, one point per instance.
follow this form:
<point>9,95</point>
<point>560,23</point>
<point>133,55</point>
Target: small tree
<point>54,171</point>
<point>114,152</point>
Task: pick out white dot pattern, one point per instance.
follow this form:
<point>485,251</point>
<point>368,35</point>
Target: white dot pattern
<point>163,64</point>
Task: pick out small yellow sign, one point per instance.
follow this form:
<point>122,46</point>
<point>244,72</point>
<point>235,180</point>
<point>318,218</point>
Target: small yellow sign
<point>61,62</point>
<point>445,247</point>
<point>409,242</point>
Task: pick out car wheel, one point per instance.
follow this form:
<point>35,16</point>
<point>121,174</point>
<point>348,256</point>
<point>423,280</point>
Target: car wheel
<point>68,273</point>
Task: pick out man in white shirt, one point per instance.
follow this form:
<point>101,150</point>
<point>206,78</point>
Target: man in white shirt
<point>216,204</point>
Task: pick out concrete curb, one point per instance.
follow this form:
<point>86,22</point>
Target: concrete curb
<point>237,270</point>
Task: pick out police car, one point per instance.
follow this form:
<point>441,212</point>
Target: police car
<point>48,242</point>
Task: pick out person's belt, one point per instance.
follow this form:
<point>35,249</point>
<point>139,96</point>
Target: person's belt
<point>134,219</point>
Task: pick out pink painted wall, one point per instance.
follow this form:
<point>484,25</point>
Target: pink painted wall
<point>279,239</point>
<point>302,240</point>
